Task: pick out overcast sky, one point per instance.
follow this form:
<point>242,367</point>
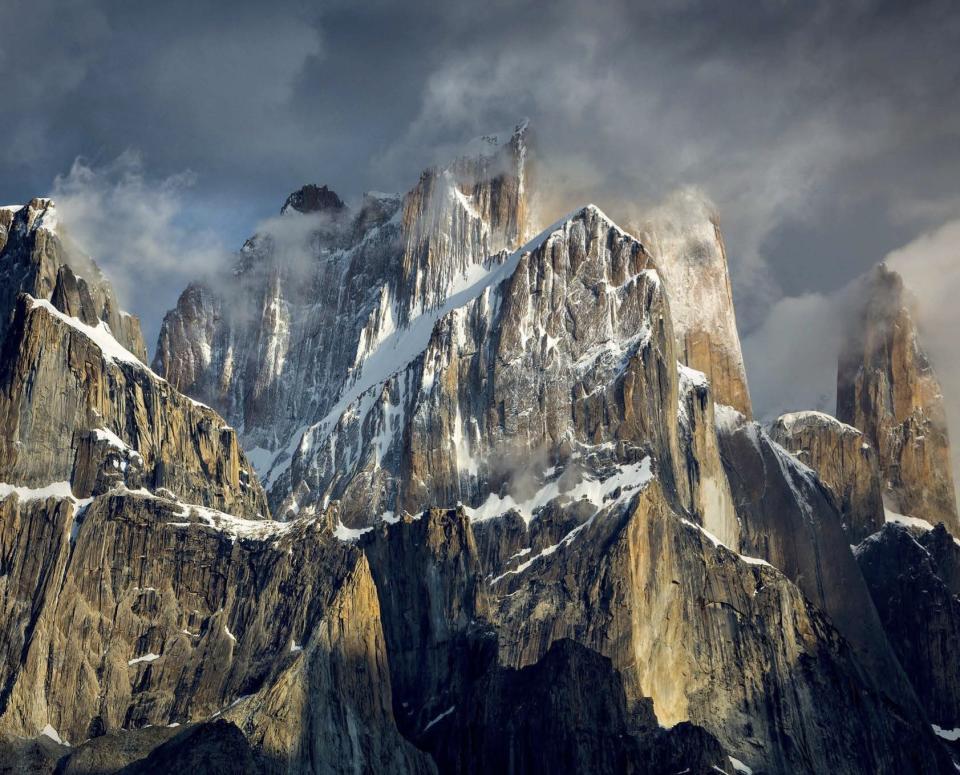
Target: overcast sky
<point>826,134</point>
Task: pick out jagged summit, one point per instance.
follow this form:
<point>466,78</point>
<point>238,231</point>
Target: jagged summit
<point>312,198</point>
<point>886,387</point>
<point>36,259</point>
<point>273,349</point>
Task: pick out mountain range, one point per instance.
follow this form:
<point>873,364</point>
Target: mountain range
<point>420,486</point>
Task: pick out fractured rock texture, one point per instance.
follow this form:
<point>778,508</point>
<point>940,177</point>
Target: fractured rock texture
<point>887,388</point>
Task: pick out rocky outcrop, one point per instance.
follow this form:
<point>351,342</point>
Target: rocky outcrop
<point>685,240</point>
<point>204,748</point>
<point>887,388</point>
<point>37,258</point>
<point>844,461</point>
<point>133,610</point>
<point>77,407</point>
<point>312,198</point>
<point>7,213</point>
<point>909,572</point>
<point>711,499</point>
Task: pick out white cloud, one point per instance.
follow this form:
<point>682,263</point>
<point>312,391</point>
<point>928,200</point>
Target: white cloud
<point>930,266</point>
<point>791,357</point>
<point>139,231</point>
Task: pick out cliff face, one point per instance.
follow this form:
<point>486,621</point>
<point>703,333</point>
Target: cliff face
<point>638,584</point>
<point>845,462</point>
<point>76,407</point>
<point>789,518</point>
<point>887,388</point>
<point>132,610</point>
<point>685,240</point>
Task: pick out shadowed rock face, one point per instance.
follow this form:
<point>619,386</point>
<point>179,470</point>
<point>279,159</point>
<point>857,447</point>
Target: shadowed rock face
<point>565,713</point>
<point>207,748</point>
<point>157,616</point>
<point>789,518</point>
<point>639,586</point>
<point>887,388</point>
<point>911,575</point>
<point>312,199</point>
<point>845,462</point>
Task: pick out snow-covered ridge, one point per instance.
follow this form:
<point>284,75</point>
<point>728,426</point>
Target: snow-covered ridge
<point>100,335</point>
<point>54,490</point>
<point>812,419</point>
<point>717,542</point>
<point>112,350</point>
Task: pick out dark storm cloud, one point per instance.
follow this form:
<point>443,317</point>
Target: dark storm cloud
<point>825,133</point>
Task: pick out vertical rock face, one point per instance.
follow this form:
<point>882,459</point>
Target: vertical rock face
<point>845,462</point>
<point>711,499</point>
<point>639,584</point>
<point>911,575</point>
<point>318,299</point>
<point>887,388</point>
<point>76,407</point>
<point>35,259</point>
<point>685,240</point>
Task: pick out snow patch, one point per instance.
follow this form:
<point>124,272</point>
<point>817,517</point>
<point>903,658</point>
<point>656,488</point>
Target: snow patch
<point>717,542</point>
<point>739,766</point>
<point>628,479</point>
<point>100,335</point>
<point>49,731</point>
<point>345,533</point>
<point>439,718</point>
<point>812,419</point>
<point>54,490</point>
<point>906,521</point>
<point>951,735</point>
<point>151,657</point>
